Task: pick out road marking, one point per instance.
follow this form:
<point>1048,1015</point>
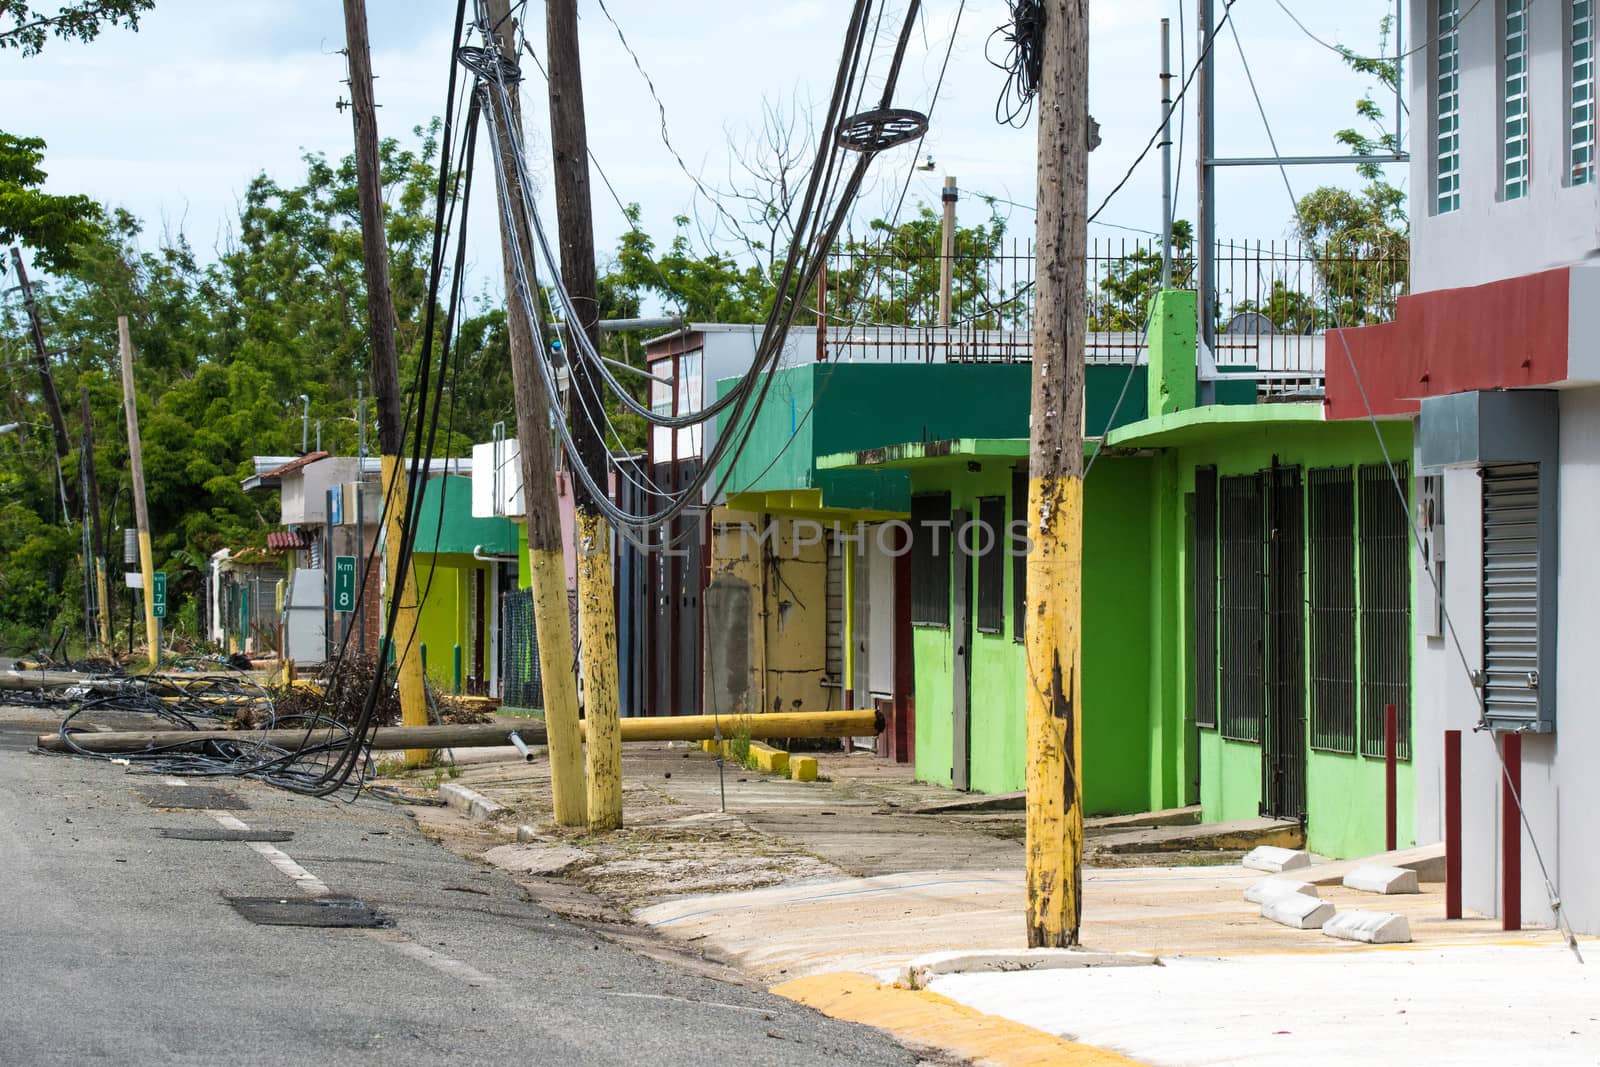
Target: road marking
<point>768,1012</point>
<point>309,884</point>
<point>423,954</point>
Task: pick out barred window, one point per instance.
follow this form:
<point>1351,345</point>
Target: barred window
<point>1385,574</point>
<point>1331,501</point>
<point>930,560</point>
<point>1241,538</point>
<point>1015,549</point>
<point>987,540</point>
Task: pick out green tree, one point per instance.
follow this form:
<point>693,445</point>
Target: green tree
<point>1120,298</point>
<point>82,21</point>
<point>48,225</point>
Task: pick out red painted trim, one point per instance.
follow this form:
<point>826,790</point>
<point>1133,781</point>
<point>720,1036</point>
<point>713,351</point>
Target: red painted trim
<point>1511,834</point>
<point>1452,824</point>
<point>1500,335</point>
<point>674,345</point>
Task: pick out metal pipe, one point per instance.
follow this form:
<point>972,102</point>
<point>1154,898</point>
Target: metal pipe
<point>1399,68</point>
<point>1166,154</point>
<point>1304,161</point>
<point>305,422</point>
<point>522,746</point>
<point>1510,832</point>
<point>491,557</point>
<point>947,247</point>
<point>1452,824</point>
<point>667,322</point>
<point>1205,194</point>
<point>635,370</point>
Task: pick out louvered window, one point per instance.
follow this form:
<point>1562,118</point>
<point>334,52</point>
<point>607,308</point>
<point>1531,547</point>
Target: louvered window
<point>1580,93</point>
<point>930,560</point>
<point>1447,108</point>
<point>1514,98</point>
<point>1511,591</point>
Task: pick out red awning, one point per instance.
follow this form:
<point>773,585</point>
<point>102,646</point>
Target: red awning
<point>285,540</point>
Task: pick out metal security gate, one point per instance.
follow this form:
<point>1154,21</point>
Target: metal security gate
<point>522,686</point>
<point>1283,748</point>
<point>1511,591</point>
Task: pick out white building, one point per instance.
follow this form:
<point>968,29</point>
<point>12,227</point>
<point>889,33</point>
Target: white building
<point>1497,351</point>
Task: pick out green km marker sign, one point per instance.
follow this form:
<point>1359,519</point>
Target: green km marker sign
<point>158,595</point>
<point>344,583</point>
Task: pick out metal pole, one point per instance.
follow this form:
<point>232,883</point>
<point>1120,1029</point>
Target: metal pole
<point>1166,153</point>
<point>1510,832</point>
<point>1399,68</point>
<point>1205,193</point>
<point>1452,824</point>
<point>305,422</point>
<point>947,251</point>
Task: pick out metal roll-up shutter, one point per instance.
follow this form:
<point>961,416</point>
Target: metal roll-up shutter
<point>833,662</point>
<point>1511,591</point>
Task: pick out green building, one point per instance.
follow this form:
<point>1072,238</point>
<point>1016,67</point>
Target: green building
<point>1246,603</point>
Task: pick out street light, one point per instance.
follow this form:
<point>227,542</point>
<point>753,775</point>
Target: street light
<point>305,422</point>
<point>10,427</point>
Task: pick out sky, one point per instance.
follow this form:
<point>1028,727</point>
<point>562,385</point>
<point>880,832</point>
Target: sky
<point>173,121</point>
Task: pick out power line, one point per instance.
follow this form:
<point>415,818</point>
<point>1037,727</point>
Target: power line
<point>1346,53</point>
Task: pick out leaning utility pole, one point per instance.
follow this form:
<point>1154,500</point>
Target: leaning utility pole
<point>385,373</point>
<point>541,509</point>
<point>47,380</point>
<point>1055,488</point>
<point>91,493</point>
<point>141,513</point>
<point>597,613</point>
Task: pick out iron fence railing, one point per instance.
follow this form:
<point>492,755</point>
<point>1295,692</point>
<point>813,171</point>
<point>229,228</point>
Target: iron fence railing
<point>1274,303</point>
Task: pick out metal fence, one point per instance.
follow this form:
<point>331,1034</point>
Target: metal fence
<point>522,685</point>
<point>1274,303</point>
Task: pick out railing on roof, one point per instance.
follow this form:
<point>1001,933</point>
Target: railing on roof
<point>1275,302</point>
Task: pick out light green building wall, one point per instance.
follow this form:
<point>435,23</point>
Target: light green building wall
<point>1344,793</point>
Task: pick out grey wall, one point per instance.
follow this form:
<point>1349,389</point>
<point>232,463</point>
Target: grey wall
<point>1487,239</point>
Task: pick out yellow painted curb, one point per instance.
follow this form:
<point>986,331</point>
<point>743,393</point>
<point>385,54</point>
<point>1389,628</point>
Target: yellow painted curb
<point>772,760</point>
<point>803,768</point>
<point>921,1018</point>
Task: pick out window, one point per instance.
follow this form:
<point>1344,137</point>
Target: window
<point>1331,501</point>
<point>1205,596</point>
<point>1241,535</point>
<point>1511,603</point>
<point>1447,108</point>
<point>930,560</point>
<point>1016,549</point>
<point>1580,92</point>
<point>833,635</point>
<point>987,541</point>
<point>1514,98</point>
<point>1385,569</point>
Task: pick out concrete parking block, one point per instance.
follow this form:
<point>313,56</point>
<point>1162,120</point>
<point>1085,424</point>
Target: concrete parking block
<point>1299,911</point>
<point>1372,927</point>
<point>1375,879</point>
<point>1273,859</point>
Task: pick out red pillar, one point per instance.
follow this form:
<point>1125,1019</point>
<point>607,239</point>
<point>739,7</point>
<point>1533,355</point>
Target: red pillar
<point>1510,833</point>
<point>1391,759</point>
<point>1452,824</point>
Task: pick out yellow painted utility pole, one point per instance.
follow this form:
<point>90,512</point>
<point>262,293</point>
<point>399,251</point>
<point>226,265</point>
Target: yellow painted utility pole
<point>385,373</point>
<point>1055,488</point>
<point>597,610</point>
<point>541,507</point>
<point>141,514</point>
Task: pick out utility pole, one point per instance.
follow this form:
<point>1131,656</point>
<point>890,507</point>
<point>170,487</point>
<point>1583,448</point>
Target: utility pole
<point>541,509</point>
<point>947,249</point>
<point>91,492</point>
<point>141,513</point>
<point>1205,230</point>
<point>597,613</point>
<point>47,380</point>
<point>1055,488</point>
<point>1166,154</point>
<point>385,374</point>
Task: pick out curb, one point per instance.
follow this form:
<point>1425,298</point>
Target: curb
<point>922,970</point>
<point>471,801</point>
<point>928,1020</point>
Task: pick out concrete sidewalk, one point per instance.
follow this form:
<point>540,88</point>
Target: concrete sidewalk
<point>828,891</point>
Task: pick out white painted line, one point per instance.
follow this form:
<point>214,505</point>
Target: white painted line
<point>444,964</point>
<point>309,884</point>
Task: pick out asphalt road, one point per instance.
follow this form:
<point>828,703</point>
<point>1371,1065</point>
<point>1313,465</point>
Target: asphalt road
<point>120,945</point>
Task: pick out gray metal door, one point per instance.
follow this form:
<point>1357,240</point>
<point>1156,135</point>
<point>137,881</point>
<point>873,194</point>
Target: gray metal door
<point>960,660</point>
<point>1511,591</point>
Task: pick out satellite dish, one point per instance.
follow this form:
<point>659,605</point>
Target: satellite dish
<point>1251,324</point>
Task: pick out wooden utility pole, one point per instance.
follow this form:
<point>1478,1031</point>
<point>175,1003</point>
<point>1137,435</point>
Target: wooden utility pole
<point>385,372</point>
<point>1055,488</point>
<point>597,612</point>
<point>91,491</point>
<point>47,380</point>
<point>141,513</point>
<point>541,507</point>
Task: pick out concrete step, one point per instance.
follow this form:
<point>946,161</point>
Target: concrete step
<point>965,803</point>
<point>1238,836</point>
<point>1189,816</point>
<point>1426,860</point>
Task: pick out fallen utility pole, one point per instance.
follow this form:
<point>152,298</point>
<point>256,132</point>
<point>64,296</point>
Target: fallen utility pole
<point>47,380</point>
<point>141,513</point>
<point>541,507</point>
<point>597,615</point>
<point>91,491</point>
<point>402,582</point>
<point>808,724</point>
<point>1055,489</point>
